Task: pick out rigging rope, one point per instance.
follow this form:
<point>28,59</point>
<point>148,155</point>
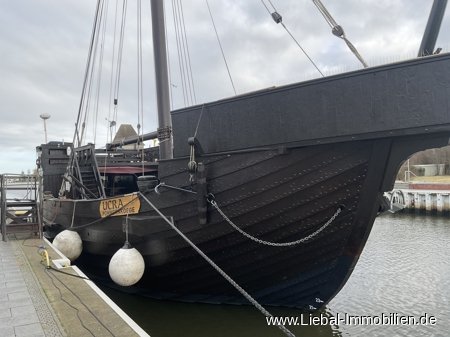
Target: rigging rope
<point>119,58</point>
<point>91,74</point>
<point>187,57</point>
<point>279,19</point>
<point>100,69</point>
<point>337,30</point>
<point>220,45</point>
<point>110,100</point>
<point>76,136</point>
<point>184,60</point>
<point>180,63</point>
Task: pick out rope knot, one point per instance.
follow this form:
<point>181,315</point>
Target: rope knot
<point>192,166</point>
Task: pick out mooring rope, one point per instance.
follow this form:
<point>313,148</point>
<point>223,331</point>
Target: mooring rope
<point>253,301</point>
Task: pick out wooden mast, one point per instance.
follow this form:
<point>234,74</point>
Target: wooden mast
<point>162,81</point>
<point>432,29</point>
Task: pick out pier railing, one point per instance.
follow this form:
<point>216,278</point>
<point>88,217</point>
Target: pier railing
<point>19,208</point>
<point>430,198</point>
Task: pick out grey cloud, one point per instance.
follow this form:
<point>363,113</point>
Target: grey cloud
<point>43,48</point>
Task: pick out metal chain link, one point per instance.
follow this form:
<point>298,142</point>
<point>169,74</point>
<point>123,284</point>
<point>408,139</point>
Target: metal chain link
<point>275,244</point>
<point>244,293</point>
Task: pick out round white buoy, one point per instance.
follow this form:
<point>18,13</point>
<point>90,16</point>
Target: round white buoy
<point>126,266</point>
<point>69,243</point>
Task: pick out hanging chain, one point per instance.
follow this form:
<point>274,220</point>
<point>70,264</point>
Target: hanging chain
<point>243,292</point>
<point>275,244</point>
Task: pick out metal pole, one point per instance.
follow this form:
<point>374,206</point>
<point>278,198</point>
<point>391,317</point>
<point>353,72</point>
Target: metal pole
<point>37,201</point>
<point>44,117</point>
<point>409,173</point>
<point>432,29</point>
<point>162,81</point>
<point>3,207</point>
<point>45,130</point>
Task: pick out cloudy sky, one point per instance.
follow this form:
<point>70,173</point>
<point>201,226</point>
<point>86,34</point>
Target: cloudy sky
<point>44,45</point>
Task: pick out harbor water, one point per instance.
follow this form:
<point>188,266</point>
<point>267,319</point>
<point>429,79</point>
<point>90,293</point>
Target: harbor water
<point>403,274</point>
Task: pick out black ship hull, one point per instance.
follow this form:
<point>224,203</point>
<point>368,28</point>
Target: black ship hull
<point>276,195</point>
<point>281,189</point>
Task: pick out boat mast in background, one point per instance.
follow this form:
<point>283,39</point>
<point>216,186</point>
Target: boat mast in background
<point>432,29</point>
<point>162,81</point>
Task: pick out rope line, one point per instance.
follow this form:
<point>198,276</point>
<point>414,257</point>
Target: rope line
<point>187,54</point>
<point>278,19</point>
<point>327,16</point>
<point>111,79</point>
<point>76,136</point>
<point>220,45</point>
<point>53,276</point>
<point>179,51</point>
<point>304,52</point>
<point>266,313</point>
<point>337,30</point>
<point>119,57</point>
<point>88,93</point>
<point>199,120</point>
<point>184,59</point>
<point>103,17</point>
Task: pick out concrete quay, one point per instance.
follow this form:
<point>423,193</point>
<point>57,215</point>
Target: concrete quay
<point>38,301</point>
<point>421,197</point>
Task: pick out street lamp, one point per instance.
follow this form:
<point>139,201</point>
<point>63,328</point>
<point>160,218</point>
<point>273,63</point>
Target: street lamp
<point>44,117</point>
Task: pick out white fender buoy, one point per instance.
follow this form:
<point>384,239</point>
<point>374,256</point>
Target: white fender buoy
<point>69,243</point>
<point>126,266</point>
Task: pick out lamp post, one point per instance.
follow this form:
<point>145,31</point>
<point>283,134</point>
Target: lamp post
<point>44,117</point>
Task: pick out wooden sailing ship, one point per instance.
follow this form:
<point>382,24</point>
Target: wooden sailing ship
<point>310,159</point>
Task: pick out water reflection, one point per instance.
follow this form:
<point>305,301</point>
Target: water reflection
<point>404,269</point>
<point>164,319</point>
